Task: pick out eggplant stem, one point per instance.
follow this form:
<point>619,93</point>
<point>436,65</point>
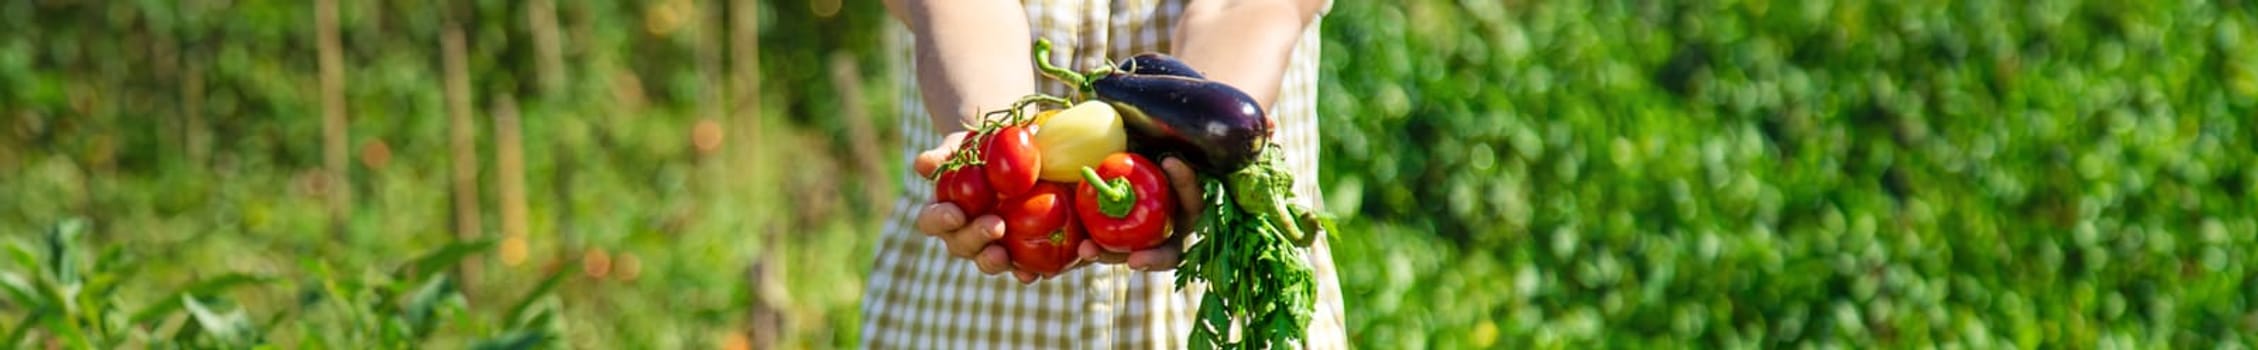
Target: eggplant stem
<point>1068,76</point>
<point>1089,86</point>
<point>1114,199</point>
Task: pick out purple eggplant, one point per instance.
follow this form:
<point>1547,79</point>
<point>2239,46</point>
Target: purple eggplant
<point>1215,127</point>
<point>1153,63</point>
<point>1170,110</point>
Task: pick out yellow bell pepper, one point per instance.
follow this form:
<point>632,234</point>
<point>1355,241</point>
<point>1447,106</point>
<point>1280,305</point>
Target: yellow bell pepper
<point>1078,137</point>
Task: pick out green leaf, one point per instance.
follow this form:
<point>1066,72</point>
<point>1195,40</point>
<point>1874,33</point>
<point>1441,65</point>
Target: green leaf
<point>438,261</point>
<point>274,321</point>
<point>64,327</point>
<point>423,306</point>
<point>23,255</point>
<point>59,295</point>
<point>231,327</point>
<point>513,340</point>
<point>539,320</point>
<point>1253,273</point>
<point>21,291</point>
<point>345,302</point>
<point>112,266</point>
<point>16,336</point>
<point>211,286</point>
<point>518,310</point>
<point>59,247</point>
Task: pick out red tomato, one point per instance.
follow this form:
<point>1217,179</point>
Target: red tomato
<point>1125,203</point>
<point>1039,229</point>
<point>1012,160</point>
<point>966,188</point>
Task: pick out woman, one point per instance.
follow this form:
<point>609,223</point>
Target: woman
<point>940,283</point>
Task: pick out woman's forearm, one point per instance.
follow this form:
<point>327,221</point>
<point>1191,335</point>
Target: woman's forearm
<point>1245,43</point>
<point>971,56</point>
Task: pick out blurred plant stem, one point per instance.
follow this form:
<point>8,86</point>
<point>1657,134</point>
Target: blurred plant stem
<point>463,132</point>
<point>338,192</point>
<point>509,159</point>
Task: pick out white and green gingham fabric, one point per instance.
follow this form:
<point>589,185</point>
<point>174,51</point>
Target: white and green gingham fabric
<point>919,297</point>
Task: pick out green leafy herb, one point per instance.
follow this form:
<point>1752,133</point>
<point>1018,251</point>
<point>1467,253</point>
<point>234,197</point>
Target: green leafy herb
<point>1249,254</point>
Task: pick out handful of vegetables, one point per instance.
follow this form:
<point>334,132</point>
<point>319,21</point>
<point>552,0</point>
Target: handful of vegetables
<point>1060,176</point>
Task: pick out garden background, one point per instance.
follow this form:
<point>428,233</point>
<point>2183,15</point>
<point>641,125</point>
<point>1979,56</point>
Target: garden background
<point>712,173</point>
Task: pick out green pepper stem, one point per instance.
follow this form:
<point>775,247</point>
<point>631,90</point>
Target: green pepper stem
<point>1043,62</point>
<point>1114,199</point>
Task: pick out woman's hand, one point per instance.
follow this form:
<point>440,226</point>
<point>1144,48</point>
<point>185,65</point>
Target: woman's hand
<point>974,238</point>
<point>968,238</point>
<point>1244,43</point>
<point>1190,203</point>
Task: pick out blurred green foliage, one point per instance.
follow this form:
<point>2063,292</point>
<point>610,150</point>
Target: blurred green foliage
<point>70,298</point>
<point>191,132</point>
<point>1794,173</point>
<point>1729,173</point>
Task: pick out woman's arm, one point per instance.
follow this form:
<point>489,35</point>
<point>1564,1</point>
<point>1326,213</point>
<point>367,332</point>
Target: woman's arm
<point>971,56</point>
<point>1245,43</point>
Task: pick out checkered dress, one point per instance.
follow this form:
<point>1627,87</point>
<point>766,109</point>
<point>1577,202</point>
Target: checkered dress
<point>919,297</point>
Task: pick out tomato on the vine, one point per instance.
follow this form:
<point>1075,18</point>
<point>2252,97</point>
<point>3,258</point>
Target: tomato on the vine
<point>967,188</point>
<point>1012,161</point>
<point>1039,229</point>
<point>1125,203</point>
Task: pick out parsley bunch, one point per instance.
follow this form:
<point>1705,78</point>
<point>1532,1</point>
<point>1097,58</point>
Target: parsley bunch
<point>1259,286</point>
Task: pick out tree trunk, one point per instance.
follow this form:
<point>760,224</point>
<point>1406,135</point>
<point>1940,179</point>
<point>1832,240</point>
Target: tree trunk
<point>745,60</point>
<point>765,321</point>
<point>464,139</point>
<point>563,164</point>
<point>334,138</point>
<point>192,108</point>
<point>856,111</point>
<point>541,21</point>
<point>509,158</point>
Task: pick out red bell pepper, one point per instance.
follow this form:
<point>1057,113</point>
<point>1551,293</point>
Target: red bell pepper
<point>1125,203</point>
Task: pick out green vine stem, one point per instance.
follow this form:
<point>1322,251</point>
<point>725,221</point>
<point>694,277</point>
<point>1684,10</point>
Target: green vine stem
<point>969,153</point>
<point>1080,81</point>
<point>966,154</point>
<point>1068,76</point>
<point>1018,109</point>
